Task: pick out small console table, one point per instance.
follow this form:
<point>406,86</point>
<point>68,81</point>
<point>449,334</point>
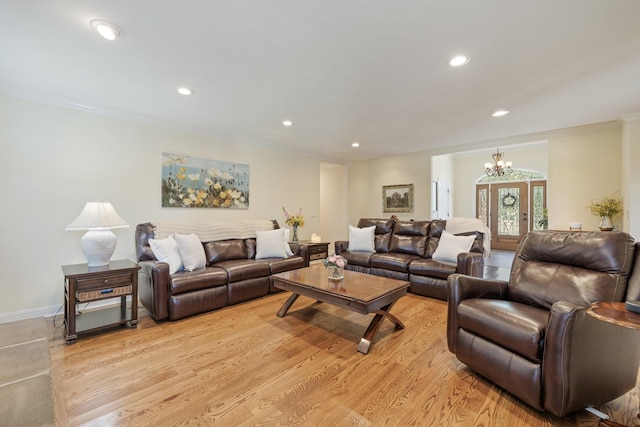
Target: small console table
<point>616,314</point>
<point>86,284</point>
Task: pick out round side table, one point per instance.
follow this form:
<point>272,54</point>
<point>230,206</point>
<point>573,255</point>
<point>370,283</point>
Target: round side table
<point>615,313</point>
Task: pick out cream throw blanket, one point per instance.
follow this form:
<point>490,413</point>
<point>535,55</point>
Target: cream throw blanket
<point>458,225</point>
<point>213,230</point>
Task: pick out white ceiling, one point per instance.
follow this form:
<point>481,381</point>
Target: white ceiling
<point>373,71</point>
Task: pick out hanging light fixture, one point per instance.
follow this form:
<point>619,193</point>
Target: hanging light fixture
<point>499,167</point>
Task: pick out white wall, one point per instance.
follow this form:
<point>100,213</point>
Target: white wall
<point>56,159</point>
<point>358,193</point>
<point>367,178</point>
<point>333,203</point>
<point>442,170</point>
<point>584,165</point>
<point>631,172</point>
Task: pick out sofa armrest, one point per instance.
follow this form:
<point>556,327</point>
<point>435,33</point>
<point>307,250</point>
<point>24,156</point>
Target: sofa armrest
<point>461,287</point>
<point>341,246</point>
<point>471,264</point>
<point>586,359</point>
<point>153,288</point>
<point>301,251</point>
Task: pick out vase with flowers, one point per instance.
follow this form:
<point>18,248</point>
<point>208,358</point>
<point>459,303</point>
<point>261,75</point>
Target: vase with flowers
<point>606,209</point>
<point>294,221</point>
<point>335,266</point>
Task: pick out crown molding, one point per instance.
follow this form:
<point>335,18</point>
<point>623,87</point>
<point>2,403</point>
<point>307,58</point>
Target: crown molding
<point>630,117</point>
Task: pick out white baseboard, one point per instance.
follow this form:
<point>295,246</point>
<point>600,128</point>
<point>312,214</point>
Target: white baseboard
<point>31,313</point>
<point>54,310</point>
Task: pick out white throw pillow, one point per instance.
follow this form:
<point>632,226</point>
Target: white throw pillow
<point>362,239</point>
<point>270,244</point>
<point>287,248</point>
<point>166,250</point>
<point>191,251</point>
<point>451,245</point>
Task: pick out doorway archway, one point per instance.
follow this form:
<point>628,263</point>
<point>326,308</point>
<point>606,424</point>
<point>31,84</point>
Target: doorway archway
<point>511,205</point>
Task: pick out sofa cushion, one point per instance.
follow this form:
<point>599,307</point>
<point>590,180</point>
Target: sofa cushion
<point>553,266</point>
<point>166,250</point>
<point>357,258</point>
<point>431,268</point>
<point>188,281</point>
<point>286,264</point>
<point>409,237</point>
<point>224,250</point>
<point>243,269</point>
<point>435,231</point>
<point>191,251</point>
<point>450,246</point>
<point>393,261</point>
<point>250,247</point>
<point>361,239</point>
<point>384,227</point>
<point>270,244</point>
<point>517,327</point>
<point>287,248</point>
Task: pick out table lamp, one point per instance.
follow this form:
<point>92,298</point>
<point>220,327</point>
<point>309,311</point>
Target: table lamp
<point>99,242</point>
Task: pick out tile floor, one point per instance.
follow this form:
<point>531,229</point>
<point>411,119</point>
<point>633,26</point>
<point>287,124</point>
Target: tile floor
<point>25,379</point>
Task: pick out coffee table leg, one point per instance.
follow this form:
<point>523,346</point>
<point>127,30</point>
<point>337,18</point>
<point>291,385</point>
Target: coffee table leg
<point>374,327</point>
<point>287,304</point>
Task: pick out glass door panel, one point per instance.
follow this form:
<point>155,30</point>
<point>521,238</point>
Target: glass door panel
<point>509,215</point>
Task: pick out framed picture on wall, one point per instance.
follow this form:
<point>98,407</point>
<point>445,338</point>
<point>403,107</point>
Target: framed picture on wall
<point>397,198</point>
<point>192,182</point>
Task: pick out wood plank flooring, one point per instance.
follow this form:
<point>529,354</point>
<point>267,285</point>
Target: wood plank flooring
<point>243,366</point>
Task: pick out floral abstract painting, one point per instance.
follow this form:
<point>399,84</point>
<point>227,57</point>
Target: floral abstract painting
<point>191,182</point>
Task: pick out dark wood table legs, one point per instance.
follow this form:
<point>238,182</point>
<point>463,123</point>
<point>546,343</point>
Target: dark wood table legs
<point>372,330</point>
<point>374,327</point>
<point>287,304</point>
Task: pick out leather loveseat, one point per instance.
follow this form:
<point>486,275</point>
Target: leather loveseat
<point>232,275</point>
<point>532,335</point>
<point>404,250</point>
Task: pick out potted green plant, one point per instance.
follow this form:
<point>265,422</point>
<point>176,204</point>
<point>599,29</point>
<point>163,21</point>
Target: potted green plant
<point>606,209</point>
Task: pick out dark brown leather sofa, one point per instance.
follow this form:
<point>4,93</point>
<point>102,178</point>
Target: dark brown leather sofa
<point>532,335</point>
<point>403,250</point>
<point>232,275</point>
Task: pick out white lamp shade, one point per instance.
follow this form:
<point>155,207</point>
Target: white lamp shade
<point>97,216</point>
<point>99,242</point>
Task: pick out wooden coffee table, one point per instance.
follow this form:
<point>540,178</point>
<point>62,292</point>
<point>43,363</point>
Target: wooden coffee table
<point>359,292</point>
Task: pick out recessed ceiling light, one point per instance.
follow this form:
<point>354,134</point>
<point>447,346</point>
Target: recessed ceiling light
<point>459,60</point>
<point>500,113</point>
<point>355,144</point>
<point>184,91</point>
<point>106,29</point>
<point>287,123</point>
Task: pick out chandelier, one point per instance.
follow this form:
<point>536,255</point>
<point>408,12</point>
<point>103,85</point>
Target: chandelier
<point>499,167</point>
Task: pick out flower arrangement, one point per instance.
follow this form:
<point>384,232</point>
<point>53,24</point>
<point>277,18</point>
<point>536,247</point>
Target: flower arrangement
<point>296,220</point>
<point>609,206</point>
<point>334,261</point>
<point>335,266</point>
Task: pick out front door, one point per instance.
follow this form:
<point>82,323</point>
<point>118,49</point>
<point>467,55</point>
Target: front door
<point>509,214</point>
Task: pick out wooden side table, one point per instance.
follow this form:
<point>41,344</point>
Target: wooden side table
<point>616,314</point>
<point>86,284</point>
<point>316,251</point>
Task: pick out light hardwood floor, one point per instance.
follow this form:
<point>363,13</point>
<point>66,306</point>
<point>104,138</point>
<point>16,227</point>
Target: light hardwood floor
<point>243,366</point>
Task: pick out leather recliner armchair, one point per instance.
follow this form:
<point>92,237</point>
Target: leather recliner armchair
<point>532,335</point>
